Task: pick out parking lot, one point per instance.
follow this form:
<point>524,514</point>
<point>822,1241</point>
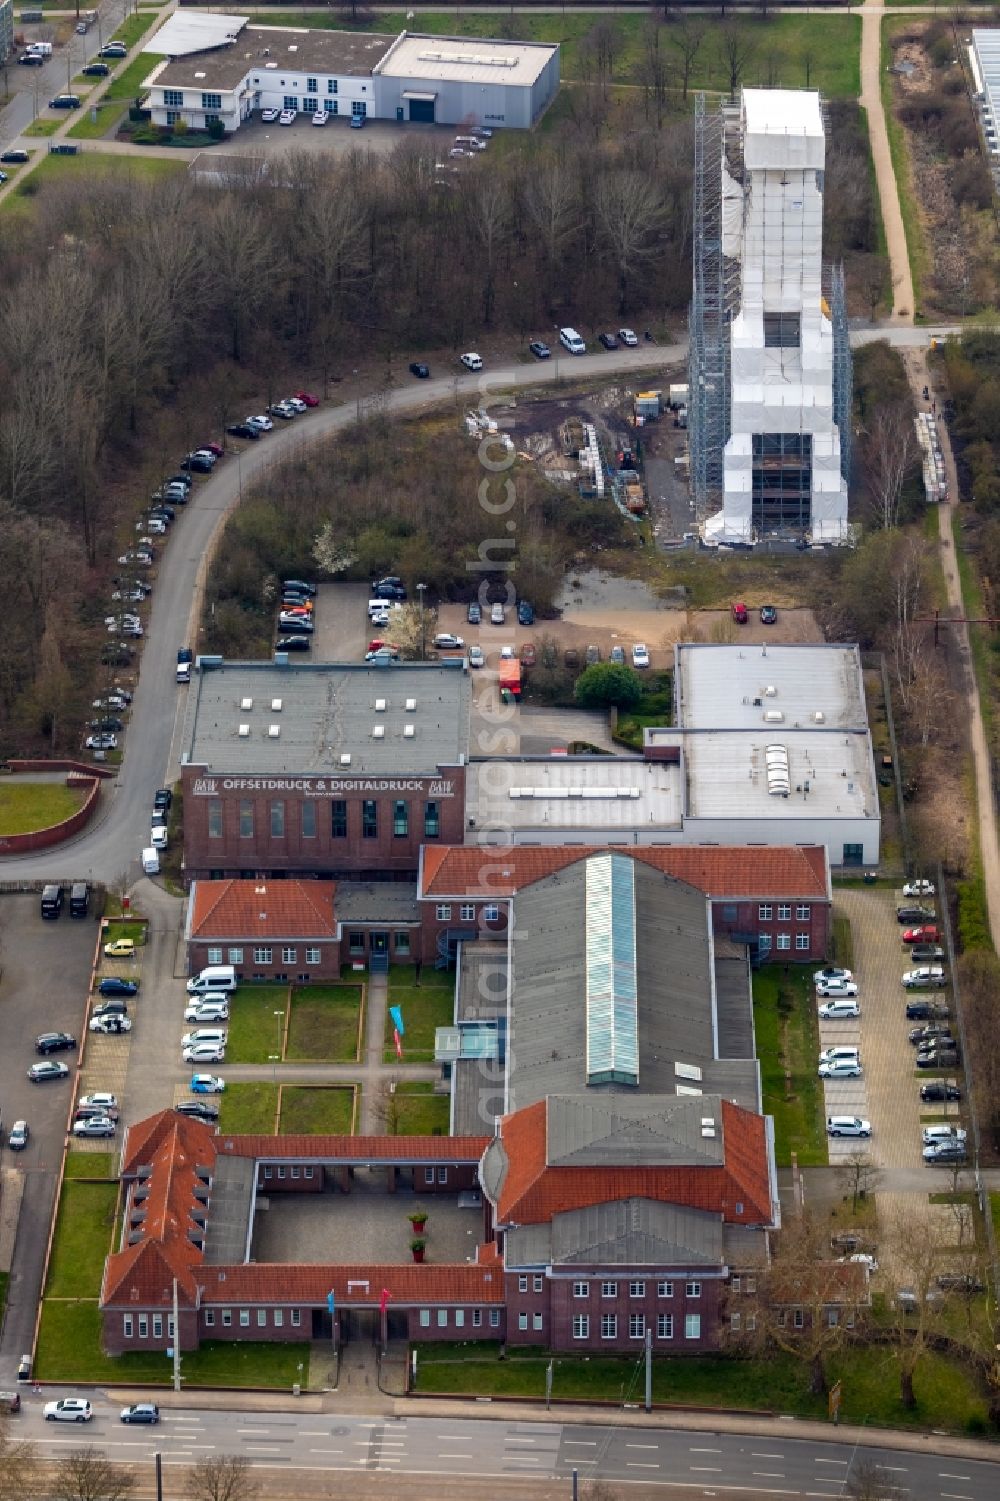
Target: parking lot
<point>255,138</point>
<point>888,1093</point>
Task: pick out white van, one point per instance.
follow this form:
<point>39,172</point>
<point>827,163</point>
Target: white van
<point>572,341</point>
<point>214,977</point>
<point>150,862</point>
<point>378,607</point>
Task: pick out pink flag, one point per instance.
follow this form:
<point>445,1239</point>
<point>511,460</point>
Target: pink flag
<point>383,1302</point>
<point>398,1041</point>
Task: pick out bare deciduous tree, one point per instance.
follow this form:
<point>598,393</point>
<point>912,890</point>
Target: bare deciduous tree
<point>224,1477</point>
<point>88,1475</point>
<point>18,1466</point>
<point>860,1175</point>
<point>737,49</point>
<point>630,213</point>
<point>687,38</point>
<point>868,1481</point>
<point>908,634</point>
<point>916,1248</point>
<point>890,452</point>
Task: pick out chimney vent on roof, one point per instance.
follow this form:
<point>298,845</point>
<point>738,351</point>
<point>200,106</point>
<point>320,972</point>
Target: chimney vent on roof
<point>409,731</point>
<point>244,732</point>
<point>378,732</point>
<point>345,759</point>
<point>276,705</point>
<point>273,731</point>
<point>246,703</point>
<point>380,706</point>
<point>411,705</point>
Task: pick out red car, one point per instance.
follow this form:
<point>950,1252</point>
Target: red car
<point>215,448</point>
<point>740,613</point>
<point>528,654</point>
<point>927,934</point>
<point>307,396</point>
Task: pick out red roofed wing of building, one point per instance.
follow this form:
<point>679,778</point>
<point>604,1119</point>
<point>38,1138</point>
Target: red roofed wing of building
<point>263,909</point>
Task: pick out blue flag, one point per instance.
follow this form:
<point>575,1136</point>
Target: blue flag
<point>396,1012</point>
<point>330,1303</point>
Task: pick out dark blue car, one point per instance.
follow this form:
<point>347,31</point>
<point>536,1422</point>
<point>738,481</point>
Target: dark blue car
<point>113,986</point>
<point>525,613</point>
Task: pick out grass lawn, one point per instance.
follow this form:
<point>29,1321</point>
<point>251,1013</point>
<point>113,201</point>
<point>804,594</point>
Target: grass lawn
<point>788,1038</point>
<point>83,1234</point>
<point>902,166</point>
<point>124,927</point>
<point>255,1033</point>
<point>946,1396</point>
<point>84,1164</point>
<point>87,129</point>
<point>843,942</point>
<point>133,29</point>
<point>26,806</point>
<point>69,1350</point>
<point>654,708</point>
<point>91,167</point>
<point>425,1008</point>
<point>325,1022</point>
<point>128,84</point>
<point>784,48</point>
<point>419,1111</point>
<point>43,126</point>
<point>317,1110</point>
<point>248,1109</point>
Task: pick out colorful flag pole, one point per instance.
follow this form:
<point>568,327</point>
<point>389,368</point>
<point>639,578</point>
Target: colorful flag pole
<point>396,1012</point>
<point>398,1041</point>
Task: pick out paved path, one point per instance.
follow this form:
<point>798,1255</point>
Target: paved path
<point>892,217</point>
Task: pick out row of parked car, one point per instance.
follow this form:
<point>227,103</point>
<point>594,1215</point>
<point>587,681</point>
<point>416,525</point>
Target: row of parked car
<point>296,615</point>
<point>286,409</point>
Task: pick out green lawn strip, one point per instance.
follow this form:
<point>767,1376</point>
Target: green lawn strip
<point>654,709</point>
<point>425,1008</point>
<point>902,167</point>
<point>980,642</point>
<point>41,127</point>
<point>256,1035</point>
<point>81,1164</point>
<point>324,1023</point>
<point>784,47</point>
<point>316,1110</point>
<point>69,1350</point>
<point>248,1109</point>
<point>785,1008</point>
<point>843,942</point>
<point>127,85</point>
<point>133,29</point>
<point>83,1234</point>
<point>26,806</point>
<point>89,129</point>
<point>418,1111</point>
<point>124,927</point>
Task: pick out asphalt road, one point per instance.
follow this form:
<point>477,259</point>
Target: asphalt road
<point>486,1450</point>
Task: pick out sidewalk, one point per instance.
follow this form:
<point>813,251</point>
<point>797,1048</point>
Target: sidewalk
<point>888,189</point>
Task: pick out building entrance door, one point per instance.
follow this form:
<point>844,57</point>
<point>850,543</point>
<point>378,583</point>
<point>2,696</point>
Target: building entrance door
<point>379,953</point>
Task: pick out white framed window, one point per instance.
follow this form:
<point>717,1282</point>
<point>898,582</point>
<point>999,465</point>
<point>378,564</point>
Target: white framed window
<point>494,1318</point>
<point>692,1289</point>
<point>279,1318</point>
<point>784,941</point>
<point>581,1289</point>
<point>491,912</point>
<point>751,1284</point>
<point>262,1318</point>
<point>143,1326</point>
<point>797,1318</point>
<point>764,912</point>
<point>609,1326</point>
<point>244,1318</point>
<point>262,955</point>
<point>442,1314</point>
<point>210,1317</point>
<point>425,1318</point>
<point>522,1321</point>
<point>522,1283</point>
<point>637,1289</point>
<point>477,1318</point>
<point>281,1172</point>
<point>157,1325</point>
<point>215,956</point>
<point>268,1170</point>
<point>235,956</point>
<point>307,1172</point>
<point>314,956</point>
<point>442,1175</point>
<point>536,1321</point>
<point>751,1322</point>
<point>428,1175</point>
<point>784,911</point>
<point>664,1326</point>
<point>581,1326</point>
<point>537,1282</point>
<point>459,1318</point>
<point>692,1326</point>
<point>296,1317</point>
<point>443,912</point>
<point>664,1289</point>
<point>802,912</point>
<point>734,1283</point>
<point>832,1318</point>
<point>467,912</point>
<point>295,1171</point>
<point>170,1326</point>
<point>802,942</point>
<point>637,1326</point>
<point>289,956</point>
<point>609,1289</point>
<point>227,1318</point>
<point>735,1321</point>
<point>127,1325</point>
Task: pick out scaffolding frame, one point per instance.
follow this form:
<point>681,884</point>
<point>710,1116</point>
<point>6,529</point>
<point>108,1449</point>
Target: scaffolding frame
<point>843,368</point>
<point>708,323</point>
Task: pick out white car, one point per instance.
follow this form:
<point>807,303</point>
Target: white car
<point>506,654</point>
<point>320,117</point>
<point>103,741</point>
<point>832,972</point>
<point>628,337</point>
<point>927,977</point>
<point>448,641</point>
<point>287,117</point>
<point>68,1410</point>
<point>111,1026</point>
<point>158,838</point>
<point>836,1011</point>
<point>211,1011</point>
<point>640,654</point>
<point>918,888</point>
<point>95,1125</point>
<point>269,116</point>
<point>837,989</point>
<point>204,1052</point>
<point>296,402</point>
<point>943,1133</point>
<point>847,1125</point>
<point>472,361</point>
<point>212,1036</point>
<point>98,1101</point>
<point>477,657</point>
<point>261,422</point>
<point>861,1258</point>
<point>154,524</point>
<point>840,1068</point>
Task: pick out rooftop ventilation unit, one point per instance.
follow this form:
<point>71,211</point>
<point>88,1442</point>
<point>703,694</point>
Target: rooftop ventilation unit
<point>411,705</point>
<point>773,716</point>
<point>380,706</point>
<point>708,1127</point>
<point>273,731</point>
<point>819,717</point>
<point>276,705</point>
<point>409,731</point>
<point>246,703</point>
<point>345,758</point>
<point>770,691</point>
<point>378,732</point>
<point>244,732</point>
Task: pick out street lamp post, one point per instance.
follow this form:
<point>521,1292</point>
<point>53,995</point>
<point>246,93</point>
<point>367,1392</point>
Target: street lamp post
<point>420,590</point>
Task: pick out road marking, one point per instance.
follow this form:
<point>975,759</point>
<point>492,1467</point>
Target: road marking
<point>947,1475</point>
<point>454,1456</point>
<point>767,1474</point>
<point>264,1448</point>
<point>326,1451</point>
<point>755,1455</point>
<point>705,1469</point>
<point>830,1461</point>
<point>314,1433</point>
<point>253,1430</point>
<point>640,1464</point>
<point>704,1451</point>
<point>952,1497</point>
<point>591,1443</point>
<point>656,1446</point>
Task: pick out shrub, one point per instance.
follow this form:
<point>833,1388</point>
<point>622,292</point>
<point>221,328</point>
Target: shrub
<point>216,129</point>
<point>606,683</point>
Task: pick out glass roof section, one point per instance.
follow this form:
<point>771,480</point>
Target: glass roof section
<point>612,999</point>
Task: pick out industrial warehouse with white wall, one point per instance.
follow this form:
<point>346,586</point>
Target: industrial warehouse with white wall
<point>220,69</point>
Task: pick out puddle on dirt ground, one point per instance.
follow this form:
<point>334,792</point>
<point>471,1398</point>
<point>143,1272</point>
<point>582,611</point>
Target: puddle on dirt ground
<point>596,590</point>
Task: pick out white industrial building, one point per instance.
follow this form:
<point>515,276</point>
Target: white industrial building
<point>770,746</point>
<point>220,68</point>
<point>984,64</point>
<point>783,472</point>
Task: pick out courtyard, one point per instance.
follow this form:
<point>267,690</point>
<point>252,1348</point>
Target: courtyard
<point>367,1225</point>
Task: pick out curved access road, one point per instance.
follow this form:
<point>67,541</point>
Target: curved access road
<point>112,844</point>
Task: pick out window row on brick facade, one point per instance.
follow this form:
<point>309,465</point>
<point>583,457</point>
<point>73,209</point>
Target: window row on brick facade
<point>457,1318</point>
<point>142,1325</point>
<point>803,941</point>
<point>279,819</point>
<point>467,912</point>
<point>294,1171</point>
<point>784,909</point>
<point>636,1289</point>
<point>636,1326</point>
<point>262,954</point>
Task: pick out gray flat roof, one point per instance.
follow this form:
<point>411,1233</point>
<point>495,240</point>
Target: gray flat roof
<point>227,1217</point>
<point>324,713</point>
<point>270,51</point>
<point>467,59</point>
<point>727,776</point>
<point>597,1130</point>
<point>734,687</point>
<point>623,1232</point>
<point>376,901</point>
<point>585,795</point>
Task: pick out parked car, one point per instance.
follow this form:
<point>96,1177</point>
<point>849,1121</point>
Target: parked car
<point>739,612</point>
<point>207,1011</point>
<point>525,612</point>
<point>836,989</point>
<point>158,838</point>
<point>293,643</point>
<point>163,797</point>
<point>320,117</point>
<point>628,337</point>
<point>768,615</point>
<point>243,430</point>
<point>933,1058</point>
<point>926,1010</point>
<point>848,1125</point>
<point>848,1241</point>
<point>571,659</point>
<point>940,1090</point>
<point>284,410</point>
<point>95,1126</point>
<point>300,624</point>
<point>111,1026</point>
<point>96,70</point>
<point>477,657</point>
<point>268,116</point>
<point>840,1068</point>
<point>838,1010</point>
<point>41,1073</point>
<point>120,948</point>
<point>608,340</point>
<point>54,1042</point>
<point>862,1258</point>
<point>918,888</point>
<point>927,953</point>
<point>474,614</point>
<point>102,741</point>
<point>592,655</point>
<point>15,155</point>
<point>640,655</point>
<point>206,1084</point>
<point>914,913</point>
<point>203,1052</point>
<point>200,463</point>
<point>498,613</point>
<point>287,117</point>
<point>539,350</point>
<point>925,933</point>
<point>68,1410</point>
<point>420,370</point>
<point>927,977</point>
<point>528,654</point>
<point>140,1412</point>
<point>100,1101</point>
<point>472,361</point>
<point>447,641</point>
<point>261,422</point>
<point>959,1282</point>
<point>943,1133</point>
<point>937,1034</point>
<point>307,398</point>
<point>202,1110</point>
<point>945,1152</point>
<point>113,49</point>
<point>18,1138</point>
<point>617,654</point>
<point>831,972</point>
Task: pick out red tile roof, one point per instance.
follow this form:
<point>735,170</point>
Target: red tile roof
<point>532,1192</point>
<point>722,872</point>
<point>463,1149</point>
<point>353,1286</point>
<point>263,909</point>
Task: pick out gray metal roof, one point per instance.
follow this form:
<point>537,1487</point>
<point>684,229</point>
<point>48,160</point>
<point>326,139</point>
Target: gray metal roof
<point>591,797</point>
<point>477,1086</point>
<point>588,1130</point>
<point>675,1012</point>
<point>269,53</point>
<point>493,1169</point>
<point>229,1210</point>
<point>635,1233</point>
<point>731,687</point>
<point>376,901</point>
<point>745,1246</point>
<point>735,1007</point>
<point>327,712</point>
